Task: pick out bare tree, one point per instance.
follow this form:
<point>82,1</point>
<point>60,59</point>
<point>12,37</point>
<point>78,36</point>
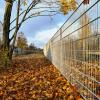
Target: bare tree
<point>32,8</point>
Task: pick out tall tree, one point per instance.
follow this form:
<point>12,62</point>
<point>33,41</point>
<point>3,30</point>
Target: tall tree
<point>32,9</point>
<point>6,29</point>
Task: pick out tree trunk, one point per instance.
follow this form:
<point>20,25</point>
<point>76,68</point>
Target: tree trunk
<point>16,30</point>
<point>6,29</point>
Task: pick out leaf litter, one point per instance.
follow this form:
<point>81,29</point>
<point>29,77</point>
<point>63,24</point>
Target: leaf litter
<point>33,77</point>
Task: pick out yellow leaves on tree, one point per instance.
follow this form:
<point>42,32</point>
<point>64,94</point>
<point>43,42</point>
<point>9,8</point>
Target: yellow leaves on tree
<point>68,5</point>
<point>21,41</point>
<point>86,1</point>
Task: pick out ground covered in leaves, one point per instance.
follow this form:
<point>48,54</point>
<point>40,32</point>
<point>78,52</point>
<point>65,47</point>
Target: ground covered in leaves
<point>33,77</point>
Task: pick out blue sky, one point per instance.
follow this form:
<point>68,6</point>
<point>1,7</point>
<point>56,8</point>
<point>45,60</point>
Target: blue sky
<point>39,30</point>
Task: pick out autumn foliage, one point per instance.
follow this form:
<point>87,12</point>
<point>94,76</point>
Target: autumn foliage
<point>68,5</point>
<point>86,1</point>
<point>35,78</point>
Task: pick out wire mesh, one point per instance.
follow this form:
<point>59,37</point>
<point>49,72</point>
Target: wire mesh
<point>75,49</point>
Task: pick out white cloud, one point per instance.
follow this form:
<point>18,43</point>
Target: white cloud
<point>1,11</point>
<point>45,35</point>
<point>41,38</point>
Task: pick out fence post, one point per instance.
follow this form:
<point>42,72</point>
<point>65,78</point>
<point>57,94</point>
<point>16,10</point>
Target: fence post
<point>76,50</point>
<point>61,51</point>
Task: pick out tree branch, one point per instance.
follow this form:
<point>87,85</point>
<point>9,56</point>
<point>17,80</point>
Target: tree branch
<point>42,15</point>
<point>27,10</point>
<point>39,13</point>
<point>17,20</point>
<point>23,19</point>
<point>32,9</point>
<point>35,15</point>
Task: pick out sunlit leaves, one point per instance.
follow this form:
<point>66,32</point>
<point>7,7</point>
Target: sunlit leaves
<point>68,5</point>
<point>73,4</point>
<point>64,6</point>
<point>86,1</point>
<point>34,77</point>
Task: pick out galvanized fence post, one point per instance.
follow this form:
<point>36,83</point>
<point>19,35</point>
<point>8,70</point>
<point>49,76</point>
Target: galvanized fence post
<point>76,49</point>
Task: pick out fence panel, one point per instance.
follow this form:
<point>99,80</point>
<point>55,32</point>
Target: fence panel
<point>75,49</point>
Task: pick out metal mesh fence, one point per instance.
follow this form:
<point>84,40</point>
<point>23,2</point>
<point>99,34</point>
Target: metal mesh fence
<point>75,49</point>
